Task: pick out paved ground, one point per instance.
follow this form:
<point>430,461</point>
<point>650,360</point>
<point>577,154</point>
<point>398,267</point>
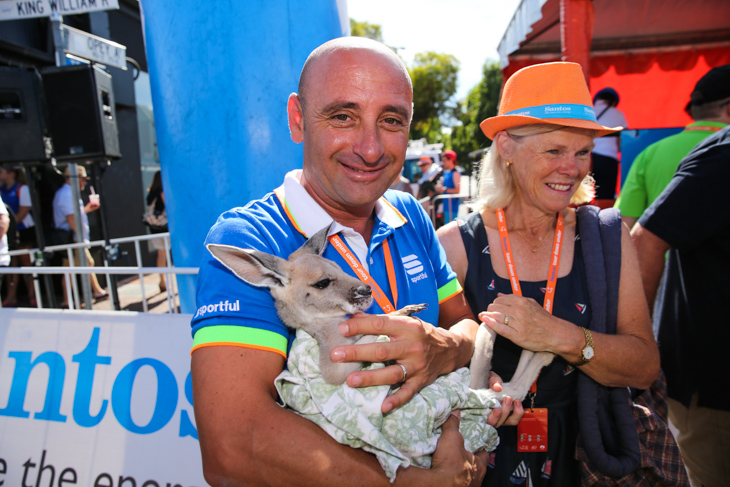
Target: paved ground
<point>129,291</point>
<point>130,296</point>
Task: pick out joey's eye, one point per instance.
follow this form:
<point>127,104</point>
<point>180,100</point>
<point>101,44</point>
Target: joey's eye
<point>341,117</point>
<point>323,283</point>
<point>553,151</point>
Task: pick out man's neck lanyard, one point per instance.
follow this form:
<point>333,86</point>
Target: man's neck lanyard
<point>706,128</point>
<point>552,273</point>
<point>365,277</point>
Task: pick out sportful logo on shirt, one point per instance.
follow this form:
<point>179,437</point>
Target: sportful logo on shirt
<point>414,268</point>
<point>581,307</point>
<point>219,307</point>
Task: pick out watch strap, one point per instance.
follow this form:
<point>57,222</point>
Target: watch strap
<point>589,343</point>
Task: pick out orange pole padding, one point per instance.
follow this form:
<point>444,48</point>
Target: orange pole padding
<point>576,33</point>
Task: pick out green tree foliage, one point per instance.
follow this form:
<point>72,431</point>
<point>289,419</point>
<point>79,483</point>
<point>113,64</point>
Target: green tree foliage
<point>364,29</point>
<point>481,103</point>
<point>434,78</point>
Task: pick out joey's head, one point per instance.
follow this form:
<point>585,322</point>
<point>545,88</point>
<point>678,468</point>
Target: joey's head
<point>319,289</point>
<point>307,288</point>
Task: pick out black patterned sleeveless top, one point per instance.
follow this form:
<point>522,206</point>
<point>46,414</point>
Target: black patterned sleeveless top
<point>557,382</point>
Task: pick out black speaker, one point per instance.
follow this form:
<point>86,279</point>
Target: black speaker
<point>82,117</point>
<point>23,136</point>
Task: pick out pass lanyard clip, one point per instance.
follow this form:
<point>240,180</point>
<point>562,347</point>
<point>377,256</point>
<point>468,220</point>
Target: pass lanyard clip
<point>365,277</point>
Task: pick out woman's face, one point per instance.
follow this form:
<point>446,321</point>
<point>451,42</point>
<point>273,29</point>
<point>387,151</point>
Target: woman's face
<point>548,168</point>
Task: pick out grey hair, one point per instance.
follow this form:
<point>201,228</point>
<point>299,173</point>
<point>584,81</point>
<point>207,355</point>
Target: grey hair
<point>496,184</point>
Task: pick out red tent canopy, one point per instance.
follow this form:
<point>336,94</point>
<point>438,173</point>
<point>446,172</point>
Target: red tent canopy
<point>652,52</point>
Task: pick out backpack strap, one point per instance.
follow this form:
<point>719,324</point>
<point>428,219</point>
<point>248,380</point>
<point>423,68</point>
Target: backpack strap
<point>605,420</point>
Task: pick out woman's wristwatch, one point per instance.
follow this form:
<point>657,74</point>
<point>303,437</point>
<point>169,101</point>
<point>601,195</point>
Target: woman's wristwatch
<point>587,352</point>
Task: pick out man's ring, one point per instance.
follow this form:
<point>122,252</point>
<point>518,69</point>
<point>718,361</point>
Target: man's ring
<point>405,373</point>
<point>506,320</point>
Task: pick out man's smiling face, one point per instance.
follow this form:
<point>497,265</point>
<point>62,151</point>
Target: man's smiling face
<point>356,115</point>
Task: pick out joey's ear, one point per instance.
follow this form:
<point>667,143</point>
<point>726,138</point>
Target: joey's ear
<point>255,267</point>
<point>316,243</point>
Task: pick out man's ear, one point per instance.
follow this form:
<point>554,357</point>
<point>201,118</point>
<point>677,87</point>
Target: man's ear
<point>726,113</point>
<point>296,118</point>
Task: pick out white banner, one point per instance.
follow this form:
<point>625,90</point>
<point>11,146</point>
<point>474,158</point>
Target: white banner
<point>28,9</point>
<point>96,398</point>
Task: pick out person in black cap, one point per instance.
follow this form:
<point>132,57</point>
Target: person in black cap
<point>690,224</point>
<point>605,153</point>
<point>654,167</point>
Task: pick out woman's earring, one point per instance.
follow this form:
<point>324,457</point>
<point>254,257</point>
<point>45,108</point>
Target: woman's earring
<point>508,164</point>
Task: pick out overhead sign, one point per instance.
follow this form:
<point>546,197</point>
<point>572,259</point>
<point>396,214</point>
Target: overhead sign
<point>91,398</point>
<point>28,9</point>
<point>93,47</point>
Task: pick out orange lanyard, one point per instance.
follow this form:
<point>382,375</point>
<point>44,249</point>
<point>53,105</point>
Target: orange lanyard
<point>708,128</point>
<point>365,277</point>
<point>552,273</point>
<point>554,259</point>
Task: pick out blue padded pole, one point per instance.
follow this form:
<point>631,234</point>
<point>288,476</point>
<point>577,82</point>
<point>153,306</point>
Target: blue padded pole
<point>221,73</point>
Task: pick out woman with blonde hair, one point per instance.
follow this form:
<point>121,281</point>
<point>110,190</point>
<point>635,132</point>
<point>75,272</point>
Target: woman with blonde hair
<point>519,259</point>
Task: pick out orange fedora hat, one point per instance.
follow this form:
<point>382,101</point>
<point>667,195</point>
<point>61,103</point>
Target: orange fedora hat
<point>553,93</point>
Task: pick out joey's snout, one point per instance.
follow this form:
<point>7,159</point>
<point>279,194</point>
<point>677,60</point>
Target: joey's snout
<point>361,294</point>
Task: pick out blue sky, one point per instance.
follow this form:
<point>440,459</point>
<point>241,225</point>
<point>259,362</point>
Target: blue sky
<point>468,29</point>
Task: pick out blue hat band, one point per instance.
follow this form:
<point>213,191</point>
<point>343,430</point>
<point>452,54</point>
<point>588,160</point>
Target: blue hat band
<point>559,110</point>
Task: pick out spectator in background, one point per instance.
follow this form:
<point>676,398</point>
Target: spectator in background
<point>63,219</point>
<point>430,173</point>
<point>690,223</point>
<point>654,167</point>
<point>16,194</point>
<point>450,184</point>
<point>156,198</point>
<point>4,224</point>
<point>605,152</point>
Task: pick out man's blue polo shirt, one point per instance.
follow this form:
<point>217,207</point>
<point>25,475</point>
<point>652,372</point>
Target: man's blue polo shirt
<point>232,312</point>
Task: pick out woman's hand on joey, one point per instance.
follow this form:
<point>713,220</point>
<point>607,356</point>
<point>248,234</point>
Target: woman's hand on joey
<point>520,320</point>
<point>422,349</point>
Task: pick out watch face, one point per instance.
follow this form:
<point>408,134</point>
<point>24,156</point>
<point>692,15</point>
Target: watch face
<point>588,353</point>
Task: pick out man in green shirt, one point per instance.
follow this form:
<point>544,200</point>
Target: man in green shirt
<point>655,166</point>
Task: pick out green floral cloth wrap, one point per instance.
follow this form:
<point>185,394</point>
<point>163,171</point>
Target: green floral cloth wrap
<point>403,437</point>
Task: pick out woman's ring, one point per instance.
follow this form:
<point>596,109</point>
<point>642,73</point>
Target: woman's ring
<point>506,320</point>
<point>405,373</point>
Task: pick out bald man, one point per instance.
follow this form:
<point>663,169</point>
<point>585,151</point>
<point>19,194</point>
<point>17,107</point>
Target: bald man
<point>351,114</point>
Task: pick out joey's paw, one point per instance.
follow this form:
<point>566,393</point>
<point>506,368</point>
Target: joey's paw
<point>409,310</point>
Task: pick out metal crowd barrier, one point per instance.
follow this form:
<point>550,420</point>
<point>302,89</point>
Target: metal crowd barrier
<point>70,272</point>
<point>431,206</point>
